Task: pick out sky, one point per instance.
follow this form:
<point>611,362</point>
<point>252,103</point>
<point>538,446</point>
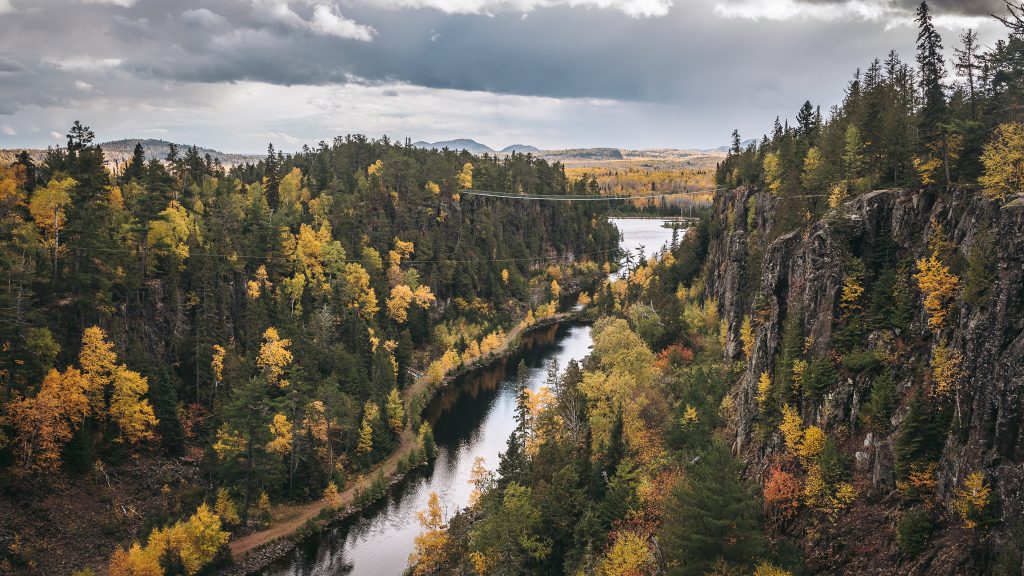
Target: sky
<point>235,75</point>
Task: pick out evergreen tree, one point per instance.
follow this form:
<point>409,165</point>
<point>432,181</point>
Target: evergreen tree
<point>806,120</point>
<point>711,516</point>
<point>920,434</point>
<point>136,168</point>
<point>932,68</point>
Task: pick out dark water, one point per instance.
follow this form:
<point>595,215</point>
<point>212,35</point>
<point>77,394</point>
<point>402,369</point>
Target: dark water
<point>472,418</point>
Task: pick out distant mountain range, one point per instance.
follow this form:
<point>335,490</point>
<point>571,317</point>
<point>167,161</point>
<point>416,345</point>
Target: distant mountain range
<point>121,150</point>
<point>743,145</point>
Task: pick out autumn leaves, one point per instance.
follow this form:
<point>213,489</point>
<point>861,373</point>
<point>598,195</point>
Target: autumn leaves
<point>100,389</point>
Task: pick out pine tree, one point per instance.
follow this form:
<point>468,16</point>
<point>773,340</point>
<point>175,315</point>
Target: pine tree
<point>806,121</point>
<point>273,178</point>
<point>920,435</point>
<point>711,516</point>
<point>932,72</point>
<point>136,168</point>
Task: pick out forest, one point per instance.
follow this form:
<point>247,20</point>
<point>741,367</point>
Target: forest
<point>823,375</point>
<point>249,332</point>
<point>820,378</point>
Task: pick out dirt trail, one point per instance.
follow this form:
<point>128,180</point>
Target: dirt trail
<point>289,518</point>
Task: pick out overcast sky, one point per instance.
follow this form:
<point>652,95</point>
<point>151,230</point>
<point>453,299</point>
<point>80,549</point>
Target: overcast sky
<point>237,74</point>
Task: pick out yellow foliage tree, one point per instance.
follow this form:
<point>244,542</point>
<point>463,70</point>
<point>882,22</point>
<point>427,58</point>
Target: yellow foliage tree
<point>132,413</point>
<point>423,296</point>
<point>629,555</point>
<point>44,423</point>
<point>490,343</point>
<point>135,561</point>
<point>556,290</point>
<point>583,300</point>
<point>471,353</point>
<point>1003,159</point>
<point>263,509</point>
<point>225,507</point>
<point>947,369</point>
<point>48,208</point>
<point>395,411</point>
<point>12,182</point>
<point>972,499</point>
<point>792,429</point>
<point>398,303</point>
<point>98,361</point>
<point>466,176</point>
<point>195,541</point>
<point>217,364</point>
<point>747,337</point>
<point>170,232</point>
<point>358,292</point>
<point>764,389</point>
<point>938,285</point>
<point>812,443</point>
<point>370,415</point>
<point>504,275</point>
<point>849,299</point>
<point>773,171</point>
<point>428,554</point>
<point>812,177</point>
<point>274,357</point>
<point>689,416</point>
<point>331,495</point>
<point>281,436</point>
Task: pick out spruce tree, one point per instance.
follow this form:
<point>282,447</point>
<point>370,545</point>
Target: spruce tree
<point>711,516</point>
<point>932,72</point>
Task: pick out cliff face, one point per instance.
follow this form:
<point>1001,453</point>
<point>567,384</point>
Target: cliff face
<point>755,272</point>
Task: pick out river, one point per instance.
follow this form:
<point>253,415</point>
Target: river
<point>472,418</point>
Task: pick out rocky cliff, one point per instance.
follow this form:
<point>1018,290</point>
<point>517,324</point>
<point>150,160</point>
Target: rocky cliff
<point>795,281</point>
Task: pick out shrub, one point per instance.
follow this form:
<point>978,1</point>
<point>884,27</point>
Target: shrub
<point>913,530</point>
<point>879,408</point>
<point>861,360</point>
<point>782,492</point>
<point>819,376</point>
<point>972,500</point>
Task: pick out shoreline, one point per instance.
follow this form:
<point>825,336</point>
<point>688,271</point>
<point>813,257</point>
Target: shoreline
<point>256,551</point>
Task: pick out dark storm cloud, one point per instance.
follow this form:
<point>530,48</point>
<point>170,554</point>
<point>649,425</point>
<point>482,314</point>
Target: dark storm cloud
<point>9,66</point>
<point>737,71</point>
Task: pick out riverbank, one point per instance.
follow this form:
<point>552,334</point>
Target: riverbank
<point>255,551</point>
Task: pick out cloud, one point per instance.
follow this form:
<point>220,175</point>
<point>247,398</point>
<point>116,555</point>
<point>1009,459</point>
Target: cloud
<point>81,63</point>
<point>132,30</point>
<point>6,7</point>
<point>8,131</point>
<point>326,21</point>
<point>947,13</point>
<point>10,66</point>
<point>323,19</point>
<point>634,8</point>
<point>121,3</point>
<point>574,72</point>
<point>203,17</point>
<point>83,86</point>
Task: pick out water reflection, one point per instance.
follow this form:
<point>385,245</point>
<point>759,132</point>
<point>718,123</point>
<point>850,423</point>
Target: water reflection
<point>472,418</point>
